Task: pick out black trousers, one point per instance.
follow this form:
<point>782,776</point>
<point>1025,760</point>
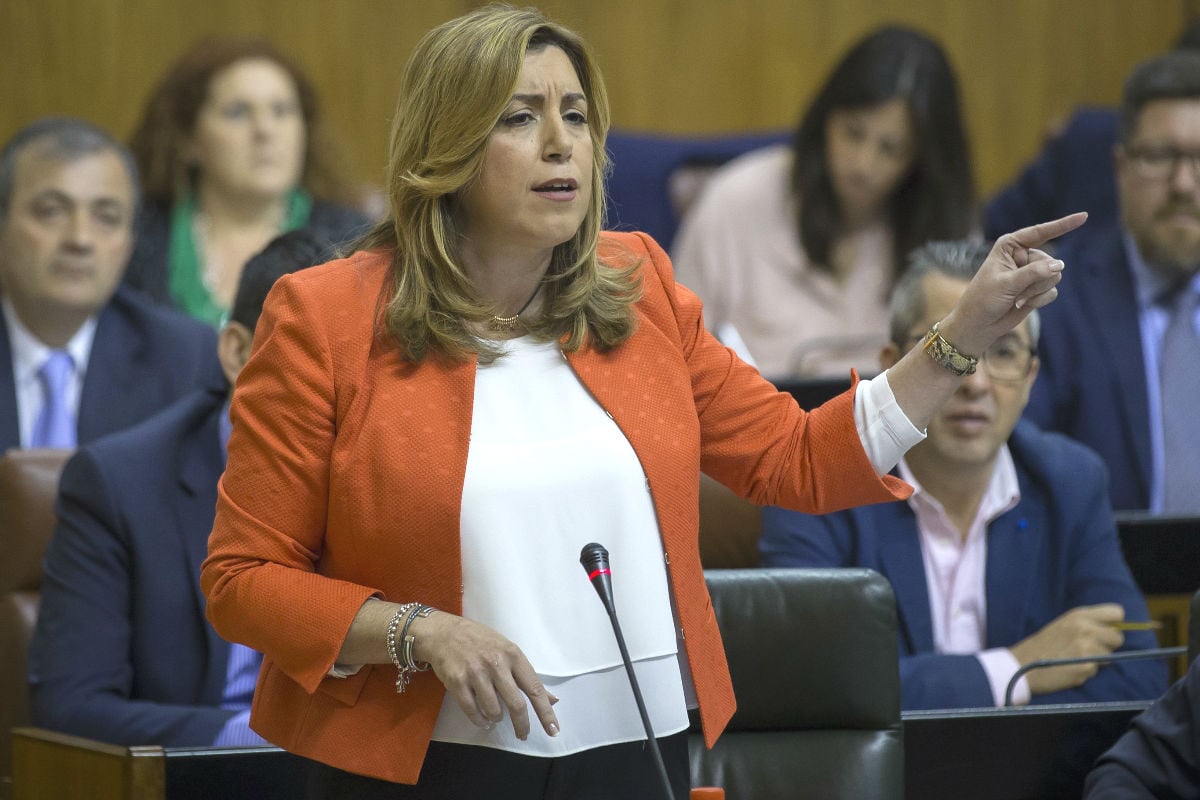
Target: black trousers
<point>464,772</point>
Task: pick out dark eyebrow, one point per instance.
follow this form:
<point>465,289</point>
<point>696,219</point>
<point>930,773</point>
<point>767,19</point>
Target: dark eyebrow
<point>570,97</point>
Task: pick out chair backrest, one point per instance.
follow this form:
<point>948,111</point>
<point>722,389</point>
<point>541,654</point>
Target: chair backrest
<point>730,527</point>
<point>815,669</point>
<point>28,487</point>
<point>644,192</point>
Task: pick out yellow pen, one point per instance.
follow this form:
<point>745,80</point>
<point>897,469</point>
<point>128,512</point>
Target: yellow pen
<point>1152,625</point>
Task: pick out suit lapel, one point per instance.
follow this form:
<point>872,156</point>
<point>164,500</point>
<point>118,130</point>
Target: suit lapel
<point>201,462</point>
<point>1013,544</point>
<point>116,351</point>
<point>1108,297</point>
<point>10,431</point>
<point>901,562</point>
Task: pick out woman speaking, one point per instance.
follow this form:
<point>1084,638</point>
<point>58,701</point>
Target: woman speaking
<point>428,431</point>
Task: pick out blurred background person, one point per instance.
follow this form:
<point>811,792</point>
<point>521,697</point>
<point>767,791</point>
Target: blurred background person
<point>80,355</point>
<point>794,249</point>
<point>232,152</point>
<point>1121,353</point>
<point>122,572</point>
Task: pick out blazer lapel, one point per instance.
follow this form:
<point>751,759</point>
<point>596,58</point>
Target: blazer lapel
<point>201,462</point>
<point>1107,294</point>
<point>901,562</point>
<point>646,401</point>
<point>111,368</point>
<point>10,431</point>
<point>1013,544</point>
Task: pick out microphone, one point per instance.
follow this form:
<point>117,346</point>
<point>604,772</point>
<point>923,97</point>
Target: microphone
<point>1108,658</point>
<point>594,559</point>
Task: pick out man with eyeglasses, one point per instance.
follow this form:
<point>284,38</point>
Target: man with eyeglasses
<point>1007,552</point>
<point>1121,349</point>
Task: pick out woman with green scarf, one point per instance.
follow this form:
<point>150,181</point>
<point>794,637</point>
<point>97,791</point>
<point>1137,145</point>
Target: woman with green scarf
<point>231,155</point>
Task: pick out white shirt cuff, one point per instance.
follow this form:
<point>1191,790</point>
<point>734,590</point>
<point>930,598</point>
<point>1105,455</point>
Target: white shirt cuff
<point>1000,665</point>
<point>885,430</point>
<point>343,670</point>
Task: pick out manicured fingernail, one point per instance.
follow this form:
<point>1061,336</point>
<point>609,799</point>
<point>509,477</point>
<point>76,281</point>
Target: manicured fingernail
<point>553,729</point>
<point>1056,266</point>
<point>1020,302</point>
<point>553,699</point>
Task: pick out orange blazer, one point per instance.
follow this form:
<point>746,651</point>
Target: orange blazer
<point>345,479</point>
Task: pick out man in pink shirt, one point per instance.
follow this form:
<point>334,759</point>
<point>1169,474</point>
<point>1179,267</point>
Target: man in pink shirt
<point>1007,551</point>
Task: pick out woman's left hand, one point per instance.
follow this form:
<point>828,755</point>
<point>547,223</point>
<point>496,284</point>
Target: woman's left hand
<point>1016,278</point>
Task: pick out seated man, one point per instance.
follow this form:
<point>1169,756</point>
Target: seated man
<point>80,357</point>
<point>122,652</point>
<point>1121,344</point>
<point>1159,756</point>
<point>1007,551</point>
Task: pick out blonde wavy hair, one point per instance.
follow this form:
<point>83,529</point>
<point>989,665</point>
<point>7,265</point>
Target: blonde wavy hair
<point>455,88</point>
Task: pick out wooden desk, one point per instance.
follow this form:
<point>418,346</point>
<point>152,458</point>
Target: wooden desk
<point>55,766</point>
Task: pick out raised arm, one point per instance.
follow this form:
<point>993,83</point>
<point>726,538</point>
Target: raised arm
<point>1015,279</point>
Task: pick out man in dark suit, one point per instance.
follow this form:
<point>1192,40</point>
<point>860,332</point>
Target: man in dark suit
<point>1007,551</point>
<point>1158,758</point>
<point>1112,361</point>
<point>122,652</point>
<point>79,357</point>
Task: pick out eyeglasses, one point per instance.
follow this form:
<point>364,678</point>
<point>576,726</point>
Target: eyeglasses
<point>1157,163</point>
<point>1009,359</point>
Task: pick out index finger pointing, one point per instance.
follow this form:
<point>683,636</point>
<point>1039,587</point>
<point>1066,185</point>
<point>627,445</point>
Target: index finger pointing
<point>1037,235</point>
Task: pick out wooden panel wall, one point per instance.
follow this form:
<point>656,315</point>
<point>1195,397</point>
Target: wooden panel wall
<point>679,66</point>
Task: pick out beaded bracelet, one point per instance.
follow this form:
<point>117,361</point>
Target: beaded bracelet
<point>402,675</point>
<point>402,659</point>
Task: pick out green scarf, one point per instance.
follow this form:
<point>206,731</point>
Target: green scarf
<point>185,270</point>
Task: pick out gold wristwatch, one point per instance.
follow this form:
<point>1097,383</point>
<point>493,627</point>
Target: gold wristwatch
<point>946,354</point>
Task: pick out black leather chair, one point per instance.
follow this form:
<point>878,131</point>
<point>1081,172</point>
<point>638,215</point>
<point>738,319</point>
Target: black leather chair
<point>812,653</point>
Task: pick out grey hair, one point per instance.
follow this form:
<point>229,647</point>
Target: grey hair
<point>959,260</point>
<point>63,139</point>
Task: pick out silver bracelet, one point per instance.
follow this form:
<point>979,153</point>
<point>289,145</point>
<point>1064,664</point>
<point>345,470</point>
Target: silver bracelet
<point>407,640</point>
<point>403,675</point>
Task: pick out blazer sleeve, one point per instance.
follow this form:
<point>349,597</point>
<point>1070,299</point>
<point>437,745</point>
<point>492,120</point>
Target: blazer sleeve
<point>260,576</point>
<point>755,439</point>
<point>1159,756</point>
<point>81,673</point>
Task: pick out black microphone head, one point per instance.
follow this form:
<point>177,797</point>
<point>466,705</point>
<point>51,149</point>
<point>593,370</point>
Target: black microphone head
<point>593,556</point>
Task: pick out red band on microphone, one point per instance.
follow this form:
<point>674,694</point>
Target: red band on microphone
<point>592,575</point>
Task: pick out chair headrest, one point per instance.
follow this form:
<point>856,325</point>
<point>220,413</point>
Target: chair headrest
<point>28,488</point>
<point>809,647</point>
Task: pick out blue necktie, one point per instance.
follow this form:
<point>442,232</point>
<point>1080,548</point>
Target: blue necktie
<point>1179,374</point>
<point>55,426</point>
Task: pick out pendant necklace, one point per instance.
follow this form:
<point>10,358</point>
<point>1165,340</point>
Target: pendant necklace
<point>508,324</point>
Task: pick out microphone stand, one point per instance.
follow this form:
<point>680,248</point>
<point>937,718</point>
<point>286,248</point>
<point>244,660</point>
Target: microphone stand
<point>1127,655</point>
<point>594,559</point>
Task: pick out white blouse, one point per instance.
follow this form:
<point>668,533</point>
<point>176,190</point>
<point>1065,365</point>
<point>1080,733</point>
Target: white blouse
<point>549,471</point>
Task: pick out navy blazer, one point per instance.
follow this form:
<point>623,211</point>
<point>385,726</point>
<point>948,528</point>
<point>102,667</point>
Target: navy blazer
<point>122,651</point>
<point>1056,550</point>
<point>1159,756</point>
<point>143,358</point>
<point>1092,382</point>
<point>1074,172</point>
